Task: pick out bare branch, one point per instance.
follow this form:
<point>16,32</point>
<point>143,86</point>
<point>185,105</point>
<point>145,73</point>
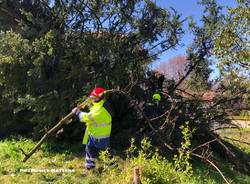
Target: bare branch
<point>212,164</point>
<point>202,145</point>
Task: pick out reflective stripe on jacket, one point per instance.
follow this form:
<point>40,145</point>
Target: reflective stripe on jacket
<point>98,121</point>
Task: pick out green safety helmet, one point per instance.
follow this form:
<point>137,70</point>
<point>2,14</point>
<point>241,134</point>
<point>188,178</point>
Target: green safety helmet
<point>157,97</point>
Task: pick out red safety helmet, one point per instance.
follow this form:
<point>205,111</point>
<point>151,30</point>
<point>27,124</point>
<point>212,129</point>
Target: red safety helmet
<point>97,92</point>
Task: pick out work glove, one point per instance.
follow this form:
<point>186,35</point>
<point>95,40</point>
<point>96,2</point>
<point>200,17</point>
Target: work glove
<point>76,111</point>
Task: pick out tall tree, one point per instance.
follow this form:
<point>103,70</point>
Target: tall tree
<point>232,49</point>
<point>174,67</point>
<point>60,50</point>
<point>232,41</point>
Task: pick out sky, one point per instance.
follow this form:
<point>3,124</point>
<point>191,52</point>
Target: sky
<point>186,8</point>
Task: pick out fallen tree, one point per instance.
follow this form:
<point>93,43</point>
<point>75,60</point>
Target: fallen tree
<point>172,112</point>
<point>72,51</point>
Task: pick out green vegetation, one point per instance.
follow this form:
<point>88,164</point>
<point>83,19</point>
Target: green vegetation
<point>232,40</point>
<point>55,60</point>
<point>154,168</point>
<point>182,160</point>
<point>238,137</point>
<point>243,117</point>
<point>53,53</point>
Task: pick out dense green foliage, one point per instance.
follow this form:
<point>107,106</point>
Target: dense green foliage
<point>232,41</point>
<point>59,51</point>
<point>232,49</point>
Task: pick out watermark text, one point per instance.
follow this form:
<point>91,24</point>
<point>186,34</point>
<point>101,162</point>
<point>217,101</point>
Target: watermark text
<point>35,170</point>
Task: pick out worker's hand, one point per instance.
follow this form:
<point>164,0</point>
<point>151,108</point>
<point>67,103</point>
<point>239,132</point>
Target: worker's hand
<point>76,111</point>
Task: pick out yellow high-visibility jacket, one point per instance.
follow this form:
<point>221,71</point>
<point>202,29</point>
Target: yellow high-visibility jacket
<point>98,121</point>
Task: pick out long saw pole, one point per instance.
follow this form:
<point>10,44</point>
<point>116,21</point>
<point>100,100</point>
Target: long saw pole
<point>53,130</point>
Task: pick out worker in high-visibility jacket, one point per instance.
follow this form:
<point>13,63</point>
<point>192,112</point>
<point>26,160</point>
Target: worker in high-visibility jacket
<point>152,108</point>
<point>98,121</point>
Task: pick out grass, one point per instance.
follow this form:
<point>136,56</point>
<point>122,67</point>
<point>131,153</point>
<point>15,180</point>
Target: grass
<point>12,165</point>
<point>246,117</point>
<point>238,137</point>
<point>70,157</point>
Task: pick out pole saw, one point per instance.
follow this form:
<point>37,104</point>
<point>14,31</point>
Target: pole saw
<point>63,121</point>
